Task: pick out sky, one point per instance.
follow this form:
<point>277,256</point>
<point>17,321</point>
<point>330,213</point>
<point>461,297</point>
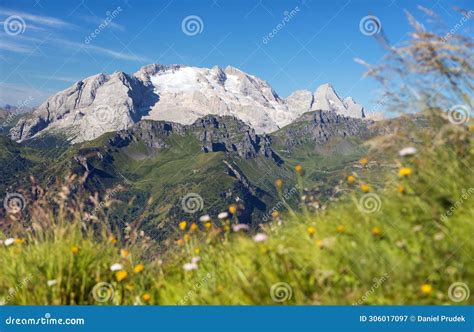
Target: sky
<point>48,45</point>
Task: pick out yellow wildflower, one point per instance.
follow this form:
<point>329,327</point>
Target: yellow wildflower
<point>180,242</point>
<point>124,253</point>
<point>376,231</point>
<point>138,268</point>
<point>233,208</point>
<point>320,244</point>
<point>74,250</point>
<point>146,297</point>
<point>405,171</point>
<point>112,239</point>
<point>19,241</point>
<point>364,161</point>
<point>182,225</point>
<point>186,237</point>
<point>208,225</point>
<point>365,188</point>
<point>275,214</point>
<point>311,230</point>
<point>197,251</point>
<point>426,289</point>
<point>121,275</point>
<point>193,227</point>
<point>279,183</point>
<point>401,189</point>
<point>341,229</point>
<point>351,179</point>
<point>298,168</point>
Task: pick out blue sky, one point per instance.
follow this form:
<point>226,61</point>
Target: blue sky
<point>52,47</point>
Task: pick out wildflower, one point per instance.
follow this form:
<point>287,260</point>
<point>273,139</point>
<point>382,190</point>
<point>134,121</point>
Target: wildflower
<point>298,168</point>
<point>112,239</point>
<point>405,171</point>
<point>208,225</point>
<point>275,214</point>
<point>74,250</point>
<point>260,237</point>
<point>116,267</point>
<point>197,251</point>
<point>233,208</point>
<point>351,179</point>
<point>9,242</point>
<point>279,183</point>
<point>130,287</point>
<point>186,237</point>
<point>52,282</point>
<point>182,225</point>
<point>401,189</point>
<point>121,275</point>
<point>138,268</point>
<point>408,151</point>
<point>426,289</point>
<point>193,227</point>
<point>226,228</point>
<point>124,253</point>
<point>19,241</point>
<point>180,242</point>
<point>240,227</point>
<point>376,231</point>
<point>471,127</point>
<point>195,259</point>
<point>341,228</point>
<point>146,297</point>
<point>205,218</point>
<point>190,266</point>
<point>365,188</point>
<point>311,230</point>
<point>223,215</point>
<point>320,244</point>
<point>364,161</point>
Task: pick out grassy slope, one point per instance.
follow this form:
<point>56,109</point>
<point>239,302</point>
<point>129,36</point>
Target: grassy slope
<point>405,245</point>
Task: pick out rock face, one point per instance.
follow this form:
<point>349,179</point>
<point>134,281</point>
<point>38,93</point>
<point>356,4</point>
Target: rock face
<point>180,94</point>
<point>89,108</point>
<point>320,126</point>
<point>215,134</point>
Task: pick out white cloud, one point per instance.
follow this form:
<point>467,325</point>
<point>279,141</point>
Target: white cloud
<point>40,20</point>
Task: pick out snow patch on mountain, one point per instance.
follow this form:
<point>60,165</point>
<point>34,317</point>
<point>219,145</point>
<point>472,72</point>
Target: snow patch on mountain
<point>106,103</point>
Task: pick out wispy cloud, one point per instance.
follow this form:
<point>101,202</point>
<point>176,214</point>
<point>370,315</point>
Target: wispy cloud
<point>14,47</point>
<point>98,21</point>
<point>40,20</point>
<point>100,50</point>
<point>15,94</point>
<point>57,78</point>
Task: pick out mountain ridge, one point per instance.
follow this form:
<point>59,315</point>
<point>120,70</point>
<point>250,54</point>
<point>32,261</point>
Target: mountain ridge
<point>110,102</point>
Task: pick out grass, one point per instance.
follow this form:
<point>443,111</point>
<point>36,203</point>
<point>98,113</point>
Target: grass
<point>410,250</point>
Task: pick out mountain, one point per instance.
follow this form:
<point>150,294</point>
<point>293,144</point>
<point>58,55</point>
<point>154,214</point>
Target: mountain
<point>181,94</point>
